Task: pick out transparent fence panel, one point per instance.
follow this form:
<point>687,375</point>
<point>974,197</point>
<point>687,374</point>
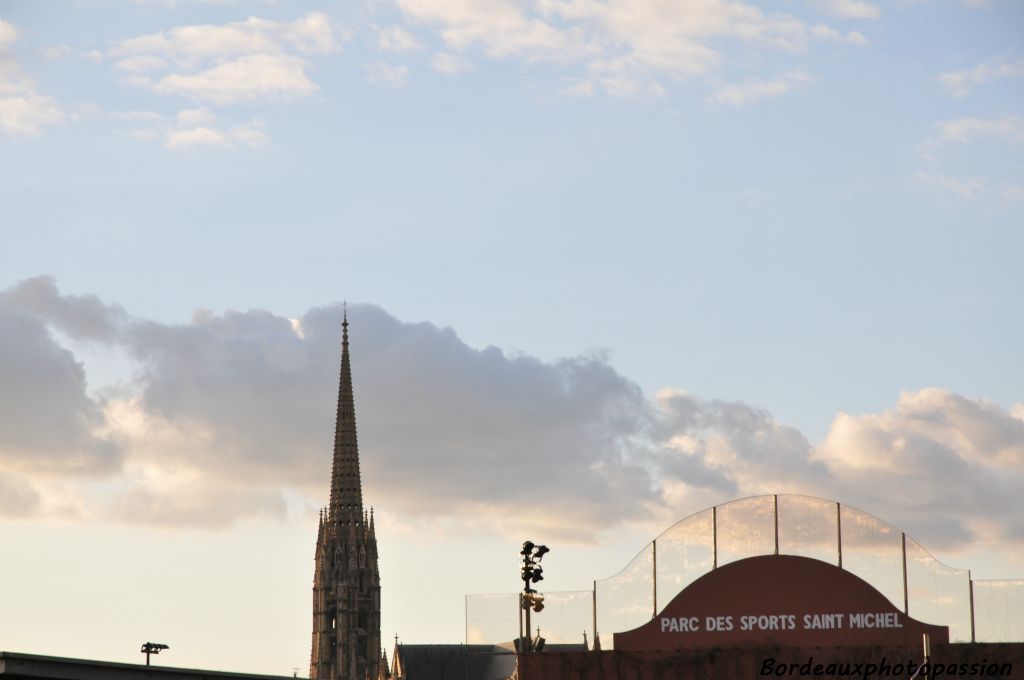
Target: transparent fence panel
<point>808,527</point>
<point>684,553</point>
<point>746,528</point>
<point>492,619</point>
<point>999,611</point>
<point>873,550</point>
<point>626,600</point>
<point>938,594</point>
<point>565,616</point>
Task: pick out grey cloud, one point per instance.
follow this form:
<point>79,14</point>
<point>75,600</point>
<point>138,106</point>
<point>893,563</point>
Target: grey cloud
<point>764,452</point>
<point>444,428</point>
<point>47,421</point>
<point>82,317</point>
<point>18,498</point>
<point>245,403</point>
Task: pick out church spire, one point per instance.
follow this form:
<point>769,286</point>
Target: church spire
<point>346,486</point>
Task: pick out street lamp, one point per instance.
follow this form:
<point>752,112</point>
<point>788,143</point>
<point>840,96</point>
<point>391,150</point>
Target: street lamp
<point>152,648</point>
<point>531,572</point>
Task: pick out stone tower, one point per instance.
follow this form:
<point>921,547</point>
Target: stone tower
<point>346,582</point>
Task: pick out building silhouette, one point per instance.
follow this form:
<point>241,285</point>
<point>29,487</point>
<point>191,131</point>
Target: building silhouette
<point>346,580</point>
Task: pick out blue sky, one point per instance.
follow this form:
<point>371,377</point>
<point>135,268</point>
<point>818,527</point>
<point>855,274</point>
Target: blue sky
<point>803,208</point>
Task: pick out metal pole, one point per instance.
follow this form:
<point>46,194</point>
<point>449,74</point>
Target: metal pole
<point>776,497</point>
<point>520,621</point>
<point>839,533</point>
<point>906,599</point>
<point>593,610</point>
<point>714,537</point>
<point>529,646</point>
<point>970,582</point>
<point>654,579</point>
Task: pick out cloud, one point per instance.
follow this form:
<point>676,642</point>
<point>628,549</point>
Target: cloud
<point>253,76</point>
<point>960,83</point>
<point>850,9</point>
<point>18,498</point>
<point>391,75</point>
<point>823,32</point>
<point>396,39</point>
<point>963,130</point>
<point>444,62</point>
<point>501,28</point>
<point>230,414</point>
<point>48,423</point>
<point>754,90</point>
<point>83,317</point>
<point>937,460</point>
<point>239,61</point>
<point>969,188</point>
<point>158,496</point>
<point>8,34</point>
<point>192,128</point>
<point>24,112</point>
<point>623,47</point>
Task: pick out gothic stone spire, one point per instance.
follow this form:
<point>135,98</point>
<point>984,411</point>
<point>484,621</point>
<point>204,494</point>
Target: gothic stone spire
<point>346,485</point>
<point>346,578</point>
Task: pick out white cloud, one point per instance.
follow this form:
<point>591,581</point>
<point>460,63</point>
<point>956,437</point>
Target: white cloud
<point>754,90</point>
<point>195,134</point>
<point>964,130</point>
<point>192,128</point>
<point>501,27</point>
<point>188,117</point>
<point>193,137</point>
<point>250,77</point>
<point>624,47</point>
<point>959,83</point>
<point>140,63</point>
<point>823,32</point>
<point>314,34</point>
<point>239,61</point>
<point>24,112</point>
<point>444,62</point>
<point>396,39</point>
<point>943,461</point>
<point>8,34</point>
<point>391,75</point>
<point>55,52</point>
<point>851,9</point>
<point>969,188</point>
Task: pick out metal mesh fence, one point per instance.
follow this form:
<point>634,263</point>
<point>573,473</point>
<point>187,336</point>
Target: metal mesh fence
<point>763,525</point>
<point>999,610</point>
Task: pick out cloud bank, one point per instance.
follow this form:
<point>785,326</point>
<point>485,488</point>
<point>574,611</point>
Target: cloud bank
<point>229,416</point>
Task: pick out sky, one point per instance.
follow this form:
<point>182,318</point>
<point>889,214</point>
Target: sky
<point>607,263</point>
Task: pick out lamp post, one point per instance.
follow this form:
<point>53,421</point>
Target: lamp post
<point>531,572</point>
<point>152,648</point>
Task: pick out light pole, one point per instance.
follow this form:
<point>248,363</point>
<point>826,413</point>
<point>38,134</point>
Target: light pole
<point>152,648</point>
<point>531,573</point>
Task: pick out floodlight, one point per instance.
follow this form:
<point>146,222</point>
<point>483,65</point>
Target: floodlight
<point>541,551</point>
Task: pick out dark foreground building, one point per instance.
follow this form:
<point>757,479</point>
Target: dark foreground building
<point>36,667</point>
